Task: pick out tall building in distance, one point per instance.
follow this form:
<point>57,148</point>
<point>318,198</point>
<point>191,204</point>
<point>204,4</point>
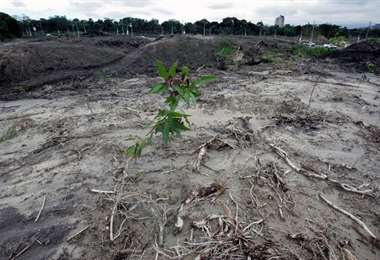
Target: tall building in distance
<point>280,21</point>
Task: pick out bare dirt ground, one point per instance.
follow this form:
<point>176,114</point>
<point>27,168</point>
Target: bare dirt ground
<point>279,139</point>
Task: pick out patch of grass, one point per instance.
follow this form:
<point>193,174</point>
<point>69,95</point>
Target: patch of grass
<point>224,53</point>
<point>9,134</point>
<point>225,49</point>
<point>272,57</point>
<point>301,51</point>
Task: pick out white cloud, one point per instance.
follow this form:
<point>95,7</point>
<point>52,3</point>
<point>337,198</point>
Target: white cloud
<point>295,11</point>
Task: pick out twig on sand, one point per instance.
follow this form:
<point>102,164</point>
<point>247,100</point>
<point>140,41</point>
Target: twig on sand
<point>102,191</point>
<point>201,155</point>
<point>348,214</point>
<point>77,233</point>
<point>23,250</point>
<point>311,94</point>
<point>40,211</point>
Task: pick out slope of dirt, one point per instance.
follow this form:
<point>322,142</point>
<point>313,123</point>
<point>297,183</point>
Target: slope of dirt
<point>363,56</point>
<point>25,65</point>
<point>122,42</point>
<point>245,202</point>
<point>196,52</point>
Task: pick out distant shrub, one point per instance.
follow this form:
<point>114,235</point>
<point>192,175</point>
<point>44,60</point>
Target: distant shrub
<point>371,67</point>
<point>8,27</point>
<point>339,41</point>
<point>309,52</point>
<point>374,40</point>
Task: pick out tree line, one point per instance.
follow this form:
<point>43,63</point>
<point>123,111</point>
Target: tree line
<point>60,25</point>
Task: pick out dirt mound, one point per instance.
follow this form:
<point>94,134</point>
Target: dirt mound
<point>363,56</point>
<point>31,63</point>
<point>190,51</point>
<point>122,42</point>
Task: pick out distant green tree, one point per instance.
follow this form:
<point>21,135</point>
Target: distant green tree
<point>9,27</point>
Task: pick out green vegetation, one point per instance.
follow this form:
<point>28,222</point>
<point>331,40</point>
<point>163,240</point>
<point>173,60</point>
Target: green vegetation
<point>102,75</point>
<point>225,49</point>
<point>339,41</point>
<point>9,134</point>
<point>374,40</point>
<point>272,56</point>
<point>371,67</point>
<point>301,51</point>
<point>224,53</point>
<point>8,27</point>
<point>169,122</point>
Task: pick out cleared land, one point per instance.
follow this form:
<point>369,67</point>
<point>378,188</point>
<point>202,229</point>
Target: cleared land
<point>281,133</point>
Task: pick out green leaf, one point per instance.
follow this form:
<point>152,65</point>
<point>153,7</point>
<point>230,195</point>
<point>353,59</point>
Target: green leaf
<point>158,88</point>
<point>173,70</point>
<point>166,132</point>
<point>184,72</point>
<point>204,79</point>
<point>162,70</point>
<point>135,150</point>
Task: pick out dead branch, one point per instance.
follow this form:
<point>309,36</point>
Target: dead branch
<point>348,214</point>
<point>119,194</point>
<point>40,211</point>
<point>26,248</point>
<point>236,212</point>
<point>311,94</point>
<point>77,233</point>
<point>201,155</point>
<point>302,171</point>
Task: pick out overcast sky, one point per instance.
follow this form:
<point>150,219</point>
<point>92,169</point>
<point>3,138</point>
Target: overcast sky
<point>344,12</point>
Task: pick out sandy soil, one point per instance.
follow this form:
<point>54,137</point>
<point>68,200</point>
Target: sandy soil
<point>246,202</point>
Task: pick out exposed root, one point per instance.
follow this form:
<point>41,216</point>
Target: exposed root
<point>348,214</point>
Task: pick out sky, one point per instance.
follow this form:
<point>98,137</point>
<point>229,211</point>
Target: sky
<point>342,12</point>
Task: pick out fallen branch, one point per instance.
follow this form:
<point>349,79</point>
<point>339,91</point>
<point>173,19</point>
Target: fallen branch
<point>348,255</point>
<point>306,173</point>
<point>40,211</point>
<point>348,214</point>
